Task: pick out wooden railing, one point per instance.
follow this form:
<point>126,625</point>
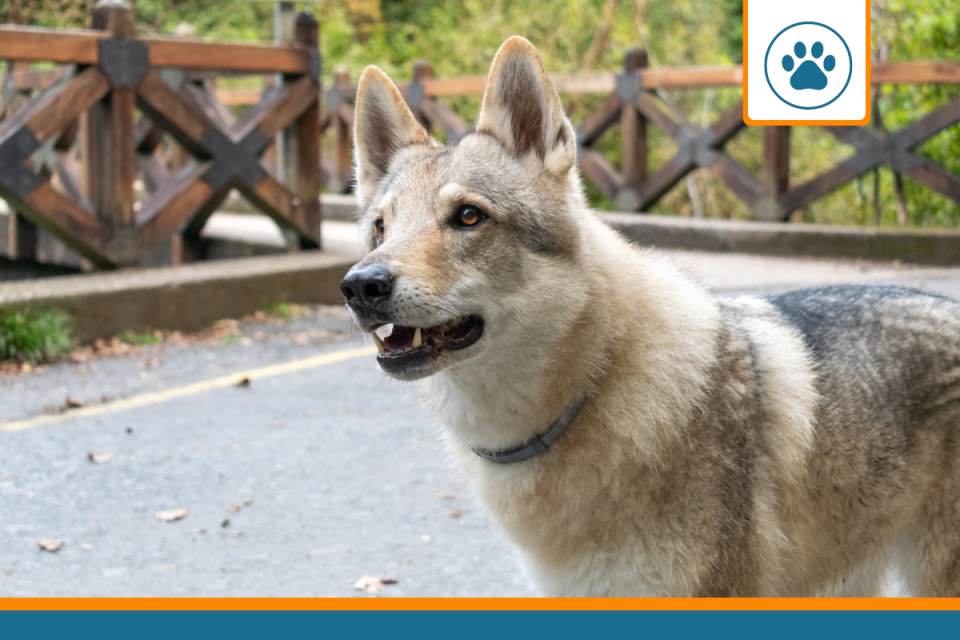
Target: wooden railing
<point>80,157</point>
<point>123,153</point>
<point>633,99</point>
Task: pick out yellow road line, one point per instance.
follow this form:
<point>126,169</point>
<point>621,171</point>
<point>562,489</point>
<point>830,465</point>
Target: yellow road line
<point>166,395</point>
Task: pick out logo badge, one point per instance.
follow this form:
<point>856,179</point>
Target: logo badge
<point>806,65</point>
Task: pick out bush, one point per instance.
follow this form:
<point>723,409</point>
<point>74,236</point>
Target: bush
<point>34,335</point>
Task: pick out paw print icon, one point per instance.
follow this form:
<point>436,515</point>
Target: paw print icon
<point>808,65</point>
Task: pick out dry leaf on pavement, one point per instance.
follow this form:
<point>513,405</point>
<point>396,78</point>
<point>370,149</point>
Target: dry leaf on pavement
<point>171,515</point>
<point>372,584</point>
<point>99,457</point>
<point>50,544</point>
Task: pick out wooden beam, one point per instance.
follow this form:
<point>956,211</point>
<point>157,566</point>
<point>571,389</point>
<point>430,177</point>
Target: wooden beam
<point>37,79</point>
<point>280,109</point>
<point>29,44</point>
<point>916,72</point>
<point>633,127</point>
<point>167,108</point>
<point>284,207</point>
<point>72,224</point>
<point>110,160</point>
<point>598,171</point>
<point>171,207</point>
<point>50,112</point>
<point>602,118</point>
<point>776,160</point>
<point>247,58</point>
<point>664,179</point>
<point>303,172</point>
<point>442,117</point>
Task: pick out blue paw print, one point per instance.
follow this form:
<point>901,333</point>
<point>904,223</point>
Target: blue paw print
<point>808,75</point>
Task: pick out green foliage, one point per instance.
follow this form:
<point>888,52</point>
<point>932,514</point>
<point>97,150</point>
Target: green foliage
<point>34,335</point>
<point>140,338</point>
<point>459,38</point>
<point>284,311</point>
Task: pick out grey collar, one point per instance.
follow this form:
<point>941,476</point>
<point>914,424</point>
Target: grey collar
<point>540,443</point>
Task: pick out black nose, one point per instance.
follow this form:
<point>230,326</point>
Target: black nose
<point>367,285</point>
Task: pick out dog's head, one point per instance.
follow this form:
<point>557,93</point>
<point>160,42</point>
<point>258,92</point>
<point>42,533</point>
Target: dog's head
<point>470,245</point>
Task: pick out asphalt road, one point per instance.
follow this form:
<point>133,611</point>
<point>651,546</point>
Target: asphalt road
<point>314,475</point>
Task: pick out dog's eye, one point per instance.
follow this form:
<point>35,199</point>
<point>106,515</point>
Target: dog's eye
<point>378,229</point>
<point>467,216</point>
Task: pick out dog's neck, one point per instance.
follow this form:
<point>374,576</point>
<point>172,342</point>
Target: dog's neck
<point>530,379</point>
<point>636,314</point>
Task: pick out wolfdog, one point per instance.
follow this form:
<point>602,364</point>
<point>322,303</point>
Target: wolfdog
<point>634,434</point>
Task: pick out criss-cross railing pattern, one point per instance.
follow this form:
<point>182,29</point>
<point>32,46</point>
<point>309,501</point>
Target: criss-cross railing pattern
<point>96,210</point>
<point>635,100</point>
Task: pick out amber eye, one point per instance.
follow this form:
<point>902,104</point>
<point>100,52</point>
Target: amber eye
<point>468,216</point>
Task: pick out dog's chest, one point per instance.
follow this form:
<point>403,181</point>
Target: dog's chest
<point>578,542</point>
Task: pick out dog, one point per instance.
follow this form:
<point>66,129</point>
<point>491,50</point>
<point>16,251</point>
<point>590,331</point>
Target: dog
<point>634,434</point>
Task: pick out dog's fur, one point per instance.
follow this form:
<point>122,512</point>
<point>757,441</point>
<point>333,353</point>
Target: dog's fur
<point>800,444</point>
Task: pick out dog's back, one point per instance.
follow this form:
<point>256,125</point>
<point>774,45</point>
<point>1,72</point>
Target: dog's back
<point>884,478</point>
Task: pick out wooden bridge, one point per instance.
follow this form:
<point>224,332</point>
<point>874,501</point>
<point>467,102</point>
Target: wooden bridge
<point>123,152</point>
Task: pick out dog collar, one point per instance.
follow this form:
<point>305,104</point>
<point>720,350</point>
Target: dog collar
<point>540,443</point>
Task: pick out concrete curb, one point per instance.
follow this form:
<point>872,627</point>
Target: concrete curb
<point>936,247</point>
<point>767,238</point>
<point>185,298</point>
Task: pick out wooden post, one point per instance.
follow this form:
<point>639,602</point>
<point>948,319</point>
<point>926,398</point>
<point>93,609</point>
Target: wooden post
<point>343,136</point>
<point>422,70</point>
<point>776,163</point>
<point>109,137</point>
<point>21,238</point>
<point>305,166</point>
<point>283,34</point>
<point>634,132</point>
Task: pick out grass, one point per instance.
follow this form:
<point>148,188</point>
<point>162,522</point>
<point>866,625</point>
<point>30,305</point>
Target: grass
<point>139,339</point>
<point>34,335</point>
<point>284,311</point>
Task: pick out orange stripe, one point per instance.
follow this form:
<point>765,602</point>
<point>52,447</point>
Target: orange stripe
<point>479,604</point>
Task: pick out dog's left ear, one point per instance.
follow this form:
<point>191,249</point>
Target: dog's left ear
<point>523,110</point>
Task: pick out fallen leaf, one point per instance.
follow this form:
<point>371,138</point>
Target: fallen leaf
<point>171,515</point>
<point>99,457</point>
<point>73,403</point>
<point>456,514</point>
<point>372,584</point>
<point>50,544</point>
<point>243,382</point>
<point>225,523</point>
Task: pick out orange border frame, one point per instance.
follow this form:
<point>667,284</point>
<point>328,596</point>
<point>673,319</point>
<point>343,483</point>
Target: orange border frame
<point>479,604</point>
<point>804,123</point>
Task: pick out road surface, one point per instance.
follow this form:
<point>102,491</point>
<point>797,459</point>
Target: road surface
<point>316,473</point>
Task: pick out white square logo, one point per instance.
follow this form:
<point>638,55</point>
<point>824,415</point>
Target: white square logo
<point>806,63</point>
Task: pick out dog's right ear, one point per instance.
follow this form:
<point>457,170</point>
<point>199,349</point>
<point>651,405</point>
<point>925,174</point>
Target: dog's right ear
<point>383,124</point>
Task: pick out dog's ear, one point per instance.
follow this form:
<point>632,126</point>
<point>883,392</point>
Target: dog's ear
<point>383,124</point>
<point>522,109</point>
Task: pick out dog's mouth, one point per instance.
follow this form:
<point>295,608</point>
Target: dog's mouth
<point>401,347</point>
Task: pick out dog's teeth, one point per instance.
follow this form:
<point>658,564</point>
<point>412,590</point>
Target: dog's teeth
<point>378,342</point>
<point>417,338</point>
<point>383,332</point>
